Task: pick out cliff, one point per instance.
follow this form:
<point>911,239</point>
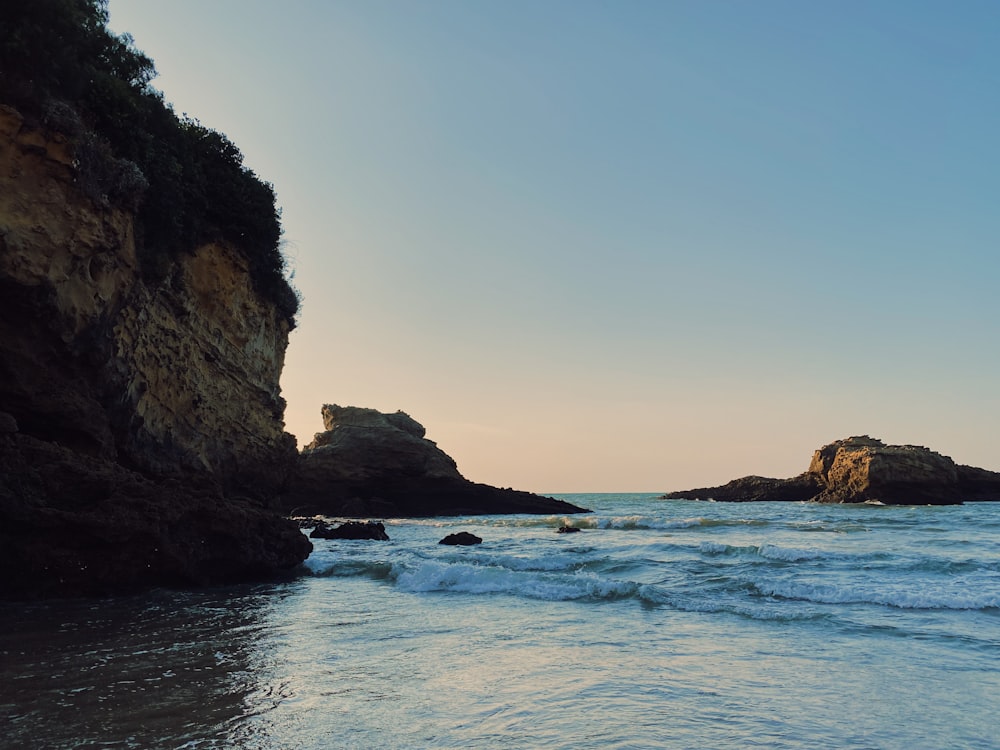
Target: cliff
<point>141,433</point>
<point>367,463</point>
<point>863,469</point>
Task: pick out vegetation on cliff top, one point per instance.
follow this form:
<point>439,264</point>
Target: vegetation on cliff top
<point>62,67</point>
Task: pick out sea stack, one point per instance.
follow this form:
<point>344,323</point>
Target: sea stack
<point>368,463</point>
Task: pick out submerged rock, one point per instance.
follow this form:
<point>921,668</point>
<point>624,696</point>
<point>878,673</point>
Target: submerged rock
<point>462,538</point>
<point>369,463</point>
<point>863,469</point>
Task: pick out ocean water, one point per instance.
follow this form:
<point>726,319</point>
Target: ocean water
<point>662,624</point>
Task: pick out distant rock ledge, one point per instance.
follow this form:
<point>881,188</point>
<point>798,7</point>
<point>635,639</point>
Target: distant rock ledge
<point>368,463</point>
<point>863,469</point>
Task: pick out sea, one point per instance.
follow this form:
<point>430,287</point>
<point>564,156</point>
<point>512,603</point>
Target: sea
<point>661,624</point>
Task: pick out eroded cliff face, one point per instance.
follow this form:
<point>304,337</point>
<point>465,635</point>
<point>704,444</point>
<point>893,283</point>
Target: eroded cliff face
<point>123,378</point>
<point>199,358</point>
<point>65,268</point>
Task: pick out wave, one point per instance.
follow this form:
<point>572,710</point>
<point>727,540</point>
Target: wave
<point>757,568</point>
<point>657,523</point>
<point>832,527</point>
<point>557,577</point>
<point>573,559</point>
<point>430,575</point>
<point>948,566</point>
<point>329,565</point>
<point>924,597</point>
<point>567,577</point>
<point>620,523</point>
<point>781,554</point>
<point>900,565</point>
<point>754,610</point>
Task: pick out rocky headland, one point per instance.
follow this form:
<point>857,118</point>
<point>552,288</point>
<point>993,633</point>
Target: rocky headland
<point>864,469</point>
<point>142,438</point>
<point>369,463</point>
<point>141,433</point>
<point>145,317</point>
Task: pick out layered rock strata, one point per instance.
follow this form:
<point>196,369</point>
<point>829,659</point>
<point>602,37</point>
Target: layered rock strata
<point>141,433</point>
<point>864,469</point>
<point>368,463</point>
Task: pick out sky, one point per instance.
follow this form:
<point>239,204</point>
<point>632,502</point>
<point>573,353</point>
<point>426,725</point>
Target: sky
<point>622,246</point>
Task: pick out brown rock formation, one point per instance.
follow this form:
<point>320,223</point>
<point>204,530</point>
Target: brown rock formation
<point>368,463</point>
<point>364,445</point>
<point>113,389</point>
<point>863,469</point>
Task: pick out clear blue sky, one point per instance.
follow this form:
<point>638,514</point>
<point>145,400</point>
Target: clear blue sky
<point>600,246</point>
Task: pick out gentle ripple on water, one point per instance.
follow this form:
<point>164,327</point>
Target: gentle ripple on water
<point>660,625</point>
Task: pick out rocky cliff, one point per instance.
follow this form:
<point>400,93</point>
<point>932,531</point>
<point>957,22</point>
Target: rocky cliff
<point>137,417</point>
<point>367,463</point>
<point>864,469</point>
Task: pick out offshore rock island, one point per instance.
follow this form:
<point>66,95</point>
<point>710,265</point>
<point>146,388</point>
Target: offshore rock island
<point>863,469</point>
<point>369,463</point>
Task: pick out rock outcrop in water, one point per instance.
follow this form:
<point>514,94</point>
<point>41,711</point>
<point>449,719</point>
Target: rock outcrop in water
<point>461,539</point>
<point>141,433</point>
<point>368,463</point>
<point>863,469</point>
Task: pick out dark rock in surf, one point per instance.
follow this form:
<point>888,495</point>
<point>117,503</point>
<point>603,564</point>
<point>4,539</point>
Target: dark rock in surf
<point>567,530</point>
<point>753,488</point>
<point>462,538</point>
<point>351,530</point>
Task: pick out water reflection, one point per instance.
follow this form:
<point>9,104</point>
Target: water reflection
<point>167,669</point>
